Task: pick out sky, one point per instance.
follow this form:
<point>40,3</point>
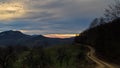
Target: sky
<point>50,16</point>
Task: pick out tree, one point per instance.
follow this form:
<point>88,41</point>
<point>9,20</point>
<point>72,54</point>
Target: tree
<point>97,22</point>
<point>101,21</point>
<point>7,56</point>
<point>94,23</point>
<point>113,11</point>
<point>37,58</point>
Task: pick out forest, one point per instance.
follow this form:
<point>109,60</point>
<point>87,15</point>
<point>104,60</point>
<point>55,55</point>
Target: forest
<point>64,56</point>
<point>104,35</point>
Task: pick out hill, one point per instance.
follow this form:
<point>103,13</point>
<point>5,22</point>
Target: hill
<point>105,39</point>
<point>13,38</point>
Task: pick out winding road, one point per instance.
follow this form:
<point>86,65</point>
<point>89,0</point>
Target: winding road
<point>100,63</point>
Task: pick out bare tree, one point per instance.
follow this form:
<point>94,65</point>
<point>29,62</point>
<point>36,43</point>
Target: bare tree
<point>101,21</point>
<point>94,23</point>
<point>113,11</point>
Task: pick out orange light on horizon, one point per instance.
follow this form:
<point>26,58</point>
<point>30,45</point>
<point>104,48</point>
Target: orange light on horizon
<point>60,35</point>
<point>51,35</point>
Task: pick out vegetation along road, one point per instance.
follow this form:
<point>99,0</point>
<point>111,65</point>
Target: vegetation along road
<point>100,63</point>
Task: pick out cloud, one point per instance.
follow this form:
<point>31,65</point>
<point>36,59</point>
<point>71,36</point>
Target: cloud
<point>40,9</point>
<point>55,16</point>
<point>50,9</point>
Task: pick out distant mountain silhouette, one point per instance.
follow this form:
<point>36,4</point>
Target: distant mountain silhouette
<point>13,38</point>
<point>105,39</point>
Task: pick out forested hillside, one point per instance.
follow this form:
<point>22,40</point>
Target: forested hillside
<point>64,56</point>
<point>105,38</point>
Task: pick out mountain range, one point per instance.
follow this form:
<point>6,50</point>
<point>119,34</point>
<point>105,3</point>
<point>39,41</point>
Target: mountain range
<point>13,38</point>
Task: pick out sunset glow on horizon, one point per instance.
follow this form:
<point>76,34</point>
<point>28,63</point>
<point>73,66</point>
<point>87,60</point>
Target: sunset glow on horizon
<point>60,35</point>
